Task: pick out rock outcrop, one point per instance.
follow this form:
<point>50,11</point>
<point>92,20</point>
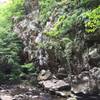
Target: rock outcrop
<point>28,28</point>
<point>44,75</point>
<point>61,66</point>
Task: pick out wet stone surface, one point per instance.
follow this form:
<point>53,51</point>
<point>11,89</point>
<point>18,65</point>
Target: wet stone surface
<point>21,92</point>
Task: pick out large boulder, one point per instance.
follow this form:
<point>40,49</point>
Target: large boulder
<point>56,86</point>
<point>82,86</point>
<point>87,81</point>
<point>96,77</point>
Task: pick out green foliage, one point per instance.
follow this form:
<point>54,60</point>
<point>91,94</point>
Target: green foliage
<point>30,67</point>
<point>2,77</point>
<point>89,3</point>
<point>46,8</point>
<point>9,42</point>
<point>10,45</point>
<point>57,27</point>
<point>15,73</point>
<point>9,48</point>
<point>13,8</point>
<point>92,20</point>
<point>63,24</point>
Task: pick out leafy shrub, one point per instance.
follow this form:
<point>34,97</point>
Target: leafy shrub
<point>10,45</point>
<point>30,67</point>
<point>89,3</point>
<point>92,20</point>
<point>9,48</point>
<point>46,8</point>
<point>64,24</point>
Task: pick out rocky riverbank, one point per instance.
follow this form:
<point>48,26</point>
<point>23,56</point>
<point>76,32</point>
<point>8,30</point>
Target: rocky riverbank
<point>26,92</point>
<point>68,64</point>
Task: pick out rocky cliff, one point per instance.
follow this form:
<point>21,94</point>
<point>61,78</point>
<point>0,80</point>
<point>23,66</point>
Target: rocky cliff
<point>71,59</point>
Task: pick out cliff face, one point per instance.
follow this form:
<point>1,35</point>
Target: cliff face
<point>28,28</point>
<point>70,56</point>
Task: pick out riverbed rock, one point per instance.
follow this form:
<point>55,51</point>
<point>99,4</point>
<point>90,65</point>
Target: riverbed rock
<point>61,74</point>
<point>44,75</point>
<point>72,98</point>
<point>55,84</point>
<point>96,77</point>
<point>58,87</point>
<point>81,83</point>
<point>95,72</point>
<point>64,93</point>
<point>5,97</point>
<point>87,81</point>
